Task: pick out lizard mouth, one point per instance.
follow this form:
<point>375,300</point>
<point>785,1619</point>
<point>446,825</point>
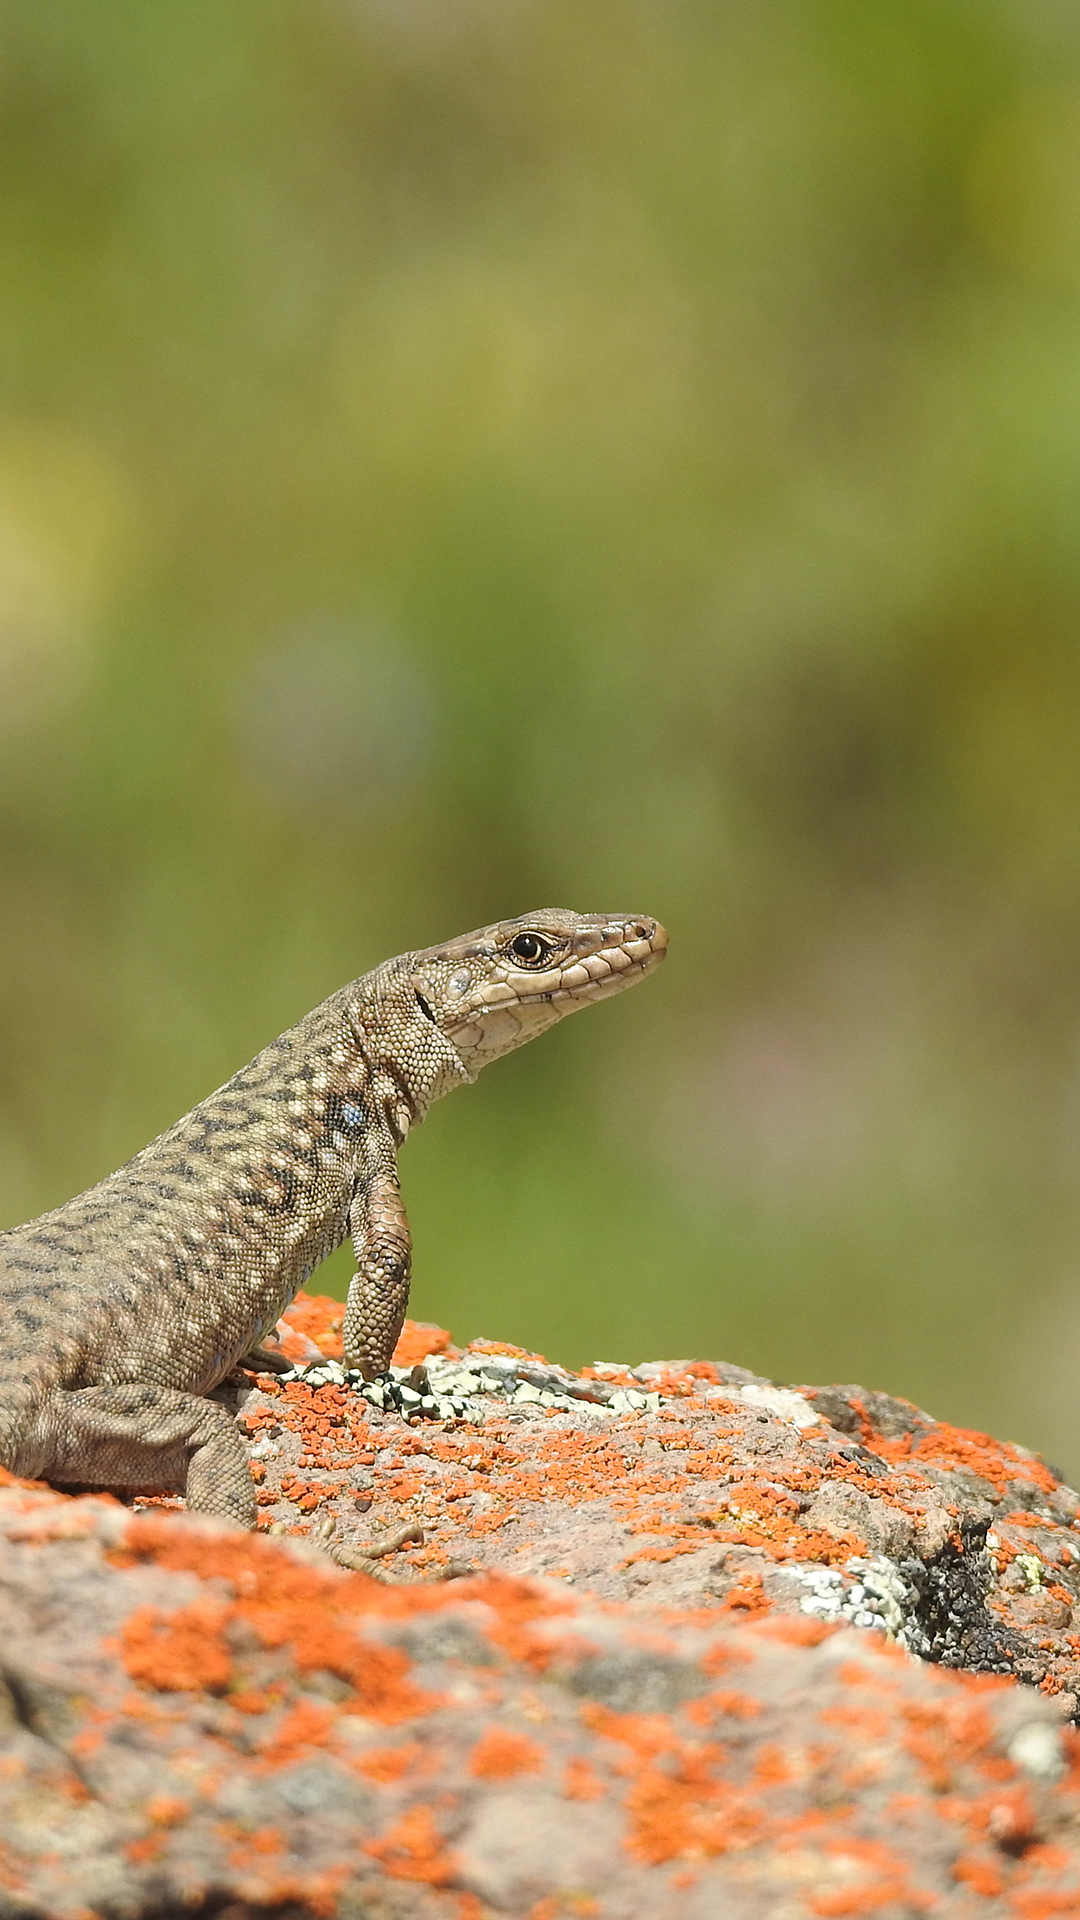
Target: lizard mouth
<point>625,967</point>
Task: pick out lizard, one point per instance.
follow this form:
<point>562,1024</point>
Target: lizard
<point>125,1308</point>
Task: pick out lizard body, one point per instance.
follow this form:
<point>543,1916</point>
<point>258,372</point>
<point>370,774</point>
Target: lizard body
<point>123,1309</point>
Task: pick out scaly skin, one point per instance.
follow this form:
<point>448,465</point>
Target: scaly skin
<point>124,1308</point>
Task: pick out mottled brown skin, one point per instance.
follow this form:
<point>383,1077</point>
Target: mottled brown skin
<point>123,1309</point>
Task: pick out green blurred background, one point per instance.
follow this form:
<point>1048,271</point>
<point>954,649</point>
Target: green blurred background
<point>465,455</point>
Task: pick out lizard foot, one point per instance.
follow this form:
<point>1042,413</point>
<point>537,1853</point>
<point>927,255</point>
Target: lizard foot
<point>363,1556</point>
<point>360,1556</point>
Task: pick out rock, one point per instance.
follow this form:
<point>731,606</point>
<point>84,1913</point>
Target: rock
<point>490,1746</point>
<point>841,1510</point>
<point>724,1490</point>
<point>509,1850</point>
<point>678,1681</point>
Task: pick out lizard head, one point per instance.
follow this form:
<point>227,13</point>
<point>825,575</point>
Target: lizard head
<point>488,992</point>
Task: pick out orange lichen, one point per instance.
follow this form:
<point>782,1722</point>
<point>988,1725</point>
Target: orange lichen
<point>264,1840</point>
<point>945,1735</point>
<point>688,1810</point>
<point>418,1341</point>
<point>499,1754</point>
<point>308,1724</point>
<point>580,1781</point>
<point>773,1767</point>
<point>413,1849</point>
<point>797,1630</point>
<point>728,1703</point>
<point>885,1881</point>
<point>942,1445</point>
<point>167,1810</point>
<point>317,1318</point>
<point>180,1651</point>
<point>281,1604</point>
<point>746,1595</point>
<point>8,1479</point>
<point>845,1903</point>
<point>250,1700</point>
<point>518,1609</point>
<point>867,1721</point>
<point>147,1848</point>
<point>386,1765</point>
<point>980,1872</point>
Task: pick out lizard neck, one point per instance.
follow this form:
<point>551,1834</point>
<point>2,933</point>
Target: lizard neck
<point>407,1059</point>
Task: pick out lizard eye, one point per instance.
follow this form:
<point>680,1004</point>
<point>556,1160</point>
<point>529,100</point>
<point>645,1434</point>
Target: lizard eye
<point>530,949</point>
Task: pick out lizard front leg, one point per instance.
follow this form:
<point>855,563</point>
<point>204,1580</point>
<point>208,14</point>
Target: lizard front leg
<point>379,1289</point>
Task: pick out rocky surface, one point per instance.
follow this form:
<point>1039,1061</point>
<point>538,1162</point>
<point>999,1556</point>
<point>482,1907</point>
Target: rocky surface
<point>717,1489</point>
<point>724,1648</point>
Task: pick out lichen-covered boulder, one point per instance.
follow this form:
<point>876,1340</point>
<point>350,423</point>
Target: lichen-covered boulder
<point>725,1648</point>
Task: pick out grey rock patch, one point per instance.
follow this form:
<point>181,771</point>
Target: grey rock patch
<point>524,1844</point>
